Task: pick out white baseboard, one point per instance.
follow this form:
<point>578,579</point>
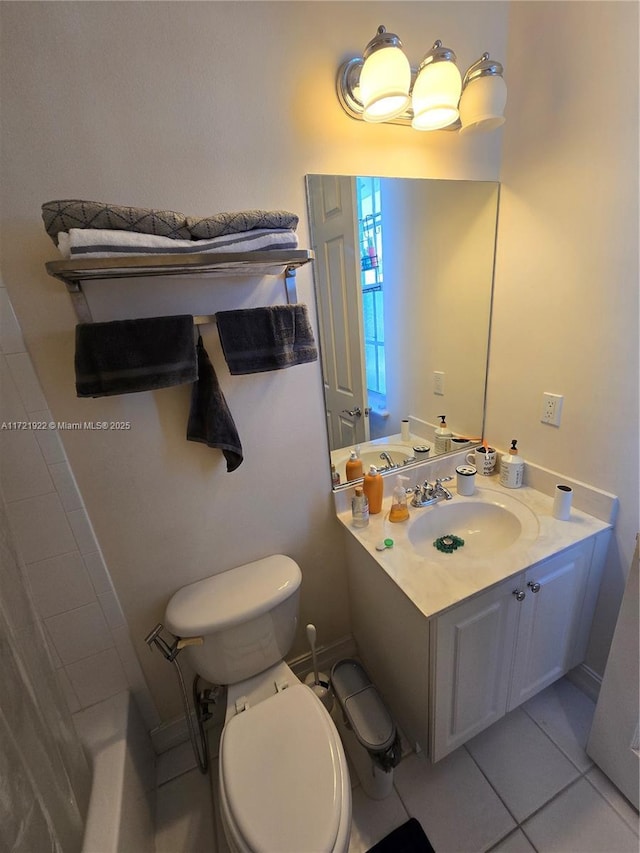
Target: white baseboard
<point>326,655</point>
<point>587,680</point>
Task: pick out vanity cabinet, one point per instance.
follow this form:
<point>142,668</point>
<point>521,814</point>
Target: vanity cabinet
<point>496,650</point>
<point>447,677</point>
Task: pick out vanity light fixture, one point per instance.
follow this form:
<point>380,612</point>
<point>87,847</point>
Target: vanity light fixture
<point>381,86</point>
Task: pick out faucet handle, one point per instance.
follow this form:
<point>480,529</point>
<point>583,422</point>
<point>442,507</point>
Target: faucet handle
<point>440,480</point>
<point>427,488</point>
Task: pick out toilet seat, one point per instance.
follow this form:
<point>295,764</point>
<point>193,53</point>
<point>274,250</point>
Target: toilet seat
<point>282,783</point>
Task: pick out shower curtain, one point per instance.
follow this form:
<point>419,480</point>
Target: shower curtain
<point>44,776</point>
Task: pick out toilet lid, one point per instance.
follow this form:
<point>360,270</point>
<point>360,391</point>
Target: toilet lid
<point>282,774</point>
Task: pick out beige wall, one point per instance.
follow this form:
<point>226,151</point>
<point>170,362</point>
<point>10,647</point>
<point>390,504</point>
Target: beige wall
<point>202,107</point>
<point>220,106</point>
<point>566,297</point>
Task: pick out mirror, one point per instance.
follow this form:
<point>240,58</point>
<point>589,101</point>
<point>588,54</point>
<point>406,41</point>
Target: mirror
<point>403,280</point>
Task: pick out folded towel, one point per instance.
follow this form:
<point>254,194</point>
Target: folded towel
<point>106,243</point>
<point>73,213</point>
<point>123,356</point>
<point>210,420</point>
<point>64,214</point>
<point>243,220</point>
<point>255,340</point>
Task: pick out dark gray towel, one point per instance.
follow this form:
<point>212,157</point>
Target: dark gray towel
<point>210,420</point>
<point>123,356</point>
<point>258,339</point>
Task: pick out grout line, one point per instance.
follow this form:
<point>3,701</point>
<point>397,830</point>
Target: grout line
<point>611,806</point>
<point>495,791</point>
<point>557,745</point>
<point>551,799</point>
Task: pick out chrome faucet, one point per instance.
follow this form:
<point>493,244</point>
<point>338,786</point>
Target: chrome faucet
<point>428,494</point>
<point>386,458</point>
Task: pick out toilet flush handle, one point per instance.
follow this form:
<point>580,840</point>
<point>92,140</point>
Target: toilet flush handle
<point>189,641</point>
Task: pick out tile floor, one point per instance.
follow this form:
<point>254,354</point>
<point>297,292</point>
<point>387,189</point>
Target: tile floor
<point>525,784</point>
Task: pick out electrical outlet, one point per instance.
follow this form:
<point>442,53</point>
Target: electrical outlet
<point>551,408</point>
<point>438,382</point>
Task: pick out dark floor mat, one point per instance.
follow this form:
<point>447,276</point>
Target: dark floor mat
<point>408,838</point>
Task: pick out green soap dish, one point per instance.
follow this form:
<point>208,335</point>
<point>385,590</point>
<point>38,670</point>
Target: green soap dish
<point>448,544</point>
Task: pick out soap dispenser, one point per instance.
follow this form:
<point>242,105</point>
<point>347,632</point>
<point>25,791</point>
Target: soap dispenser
<point>399,510</point>
<point>353,468</point>
<point>373,489</point>
<point>443,436</point>
<point>511,467</point>
<point>360,508</point>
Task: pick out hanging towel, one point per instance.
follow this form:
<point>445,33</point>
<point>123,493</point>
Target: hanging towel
<point>255,340</point>
<point>106,243</point>
<point>210,420</point>
<point>123,356</point>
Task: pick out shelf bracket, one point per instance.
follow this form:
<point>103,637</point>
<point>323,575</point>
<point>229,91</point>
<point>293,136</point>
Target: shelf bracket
<point>290,285</point>
<point>79,301</point>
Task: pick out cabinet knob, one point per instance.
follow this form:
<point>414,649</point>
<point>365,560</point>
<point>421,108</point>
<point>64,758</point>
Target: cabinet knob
<point>534,586</point>
<point>519,594</point>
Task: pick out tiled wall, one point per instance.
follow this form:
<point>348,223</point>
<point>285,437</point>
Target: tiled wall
<point>70,584</point>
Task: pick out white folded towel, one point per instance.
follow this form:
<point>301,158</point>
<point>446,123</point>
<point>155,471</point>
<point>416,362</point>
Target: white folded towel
<point>106,243</point>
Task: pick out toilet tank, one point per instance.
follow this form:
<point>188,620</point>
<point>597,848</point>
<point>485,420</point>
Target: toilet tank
<point>247,617</point>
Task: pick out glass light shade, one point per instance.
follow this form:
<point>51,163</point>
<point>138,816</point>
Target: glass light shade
<point>384,84</point>
<point>435,97</point>
<point>482,103</point>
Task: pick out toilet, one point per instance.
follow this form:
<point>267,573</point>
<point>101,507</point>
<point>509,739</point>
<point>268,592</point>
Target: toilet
<point>283,780</point>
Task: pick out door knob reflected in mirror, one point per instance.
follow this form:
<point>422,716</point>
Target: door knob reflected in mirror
<point>534,586</point>
<point>353,413</point>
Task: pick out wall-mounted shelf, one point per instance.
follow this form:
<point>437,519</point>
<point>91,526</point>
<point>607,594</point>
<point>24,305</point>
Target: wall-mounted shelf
<point>273,262</point>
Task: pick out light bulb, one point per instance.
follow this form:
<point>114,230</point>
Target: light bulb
<point>482,103</point>
<point>435,95</point>
<point>384,84</point>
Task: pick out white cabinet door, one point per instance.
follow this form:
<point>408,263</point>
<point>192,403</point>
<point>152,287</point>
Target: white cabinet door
<point>473,650</point>
<point>496,650</point>
<point>549,621</point>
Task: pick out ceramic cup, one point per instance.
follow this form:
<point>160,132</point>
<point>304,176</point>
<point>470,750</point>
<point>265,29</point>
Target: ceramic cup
<point>484,459</point>
<point>465,480</point>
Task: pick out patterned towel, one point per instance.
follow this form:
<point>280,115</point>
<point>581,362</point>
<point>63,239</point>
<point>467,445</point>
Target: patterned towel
<point>74,213</point>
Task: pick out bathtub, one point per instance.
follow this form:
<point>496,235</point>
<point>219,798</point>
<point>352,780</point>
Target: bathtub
<point>121,815</point>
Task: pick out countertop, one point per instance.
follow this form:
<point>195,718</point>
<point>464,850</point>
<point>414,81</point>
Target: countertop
<point>435,582</point>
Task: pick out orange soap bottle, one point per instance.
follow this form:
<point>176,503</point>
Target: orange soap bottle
<point>373,489</point>
<point>353,468</point>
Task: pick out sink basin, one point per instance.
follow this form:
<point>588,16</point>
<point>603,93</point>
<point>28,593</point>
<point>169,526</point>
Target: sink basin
<point>397,453</point>
<point>488,522</point>
<point>370,455</point>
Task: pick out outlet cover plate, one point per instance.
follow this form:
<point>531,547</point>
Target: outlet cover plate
<point>551,408</point>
